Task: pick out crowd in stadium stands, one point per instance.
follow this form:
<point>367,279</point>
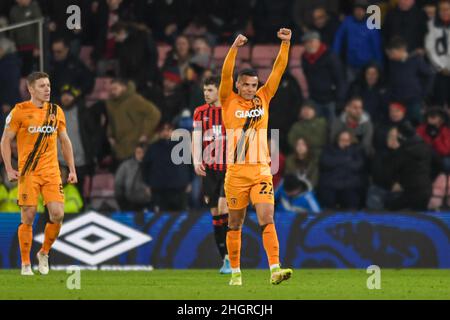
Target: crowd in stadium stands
<point>363,114</point>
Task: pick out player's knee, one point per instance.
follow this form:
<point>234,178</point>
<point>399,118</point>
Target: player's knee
<point>28,214</point>
<point>57,216</point>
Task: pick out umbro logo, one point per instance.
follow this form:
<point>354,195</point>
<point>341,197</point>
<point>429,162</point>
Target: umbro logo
<point>93,238</point>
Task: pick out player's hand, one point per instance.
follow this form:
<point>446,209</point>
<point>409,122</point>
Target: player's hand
<point>284,34</point>
<point>200,170</point>
<point>72,178</point>
<point>13,175</point>
<point>240,41</point>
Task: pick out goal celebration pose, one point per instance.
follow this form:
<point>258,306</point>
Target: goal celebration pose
<point>37,124</point>
<point>245,116</point>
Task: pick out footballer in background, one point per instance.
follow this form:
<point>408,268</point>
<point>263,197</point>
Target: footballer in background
<point>209,153</point>
<point>37,124</point>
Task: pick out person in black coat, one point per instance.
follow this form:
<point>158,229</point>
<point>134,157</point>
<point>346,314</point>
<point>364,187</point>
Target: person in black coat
<point>87,130</point>
<point>324,75</point>
<point>408,21</point>
<point>168,182</point>
<point>411,169</point>
<point>397,116</point>
<point>283,111</point>
<point>325,23</point>
<point>342,174</point>
<point>136,53</point>
<point>66,68</point>
<point>369,86</point>
<point>410,78</point>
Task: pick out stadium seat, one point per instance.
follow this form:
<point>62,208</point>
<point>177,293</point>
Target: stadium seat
<point>102,185</point>
<point>264,55</point>
<point>163,50</point>
<point>263,74</point>
<point>85,56</point>
<point>296,55</point>
<point>102,193</point>
<point>220,52</point>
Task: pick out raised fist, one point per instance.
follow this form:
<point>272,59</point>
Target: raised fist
<point>240,41</point>
<point>284,34</point>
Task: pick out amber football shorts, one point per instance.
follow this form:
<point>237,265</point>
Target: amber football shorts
<point>31,186</point>
<point>248,182</point>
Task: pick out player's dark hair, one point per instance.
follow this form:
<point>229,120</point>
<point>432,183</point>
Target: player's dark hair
<point>397,42</point>
<point>32,77</point>
<point>212,80</point>
<point>248,73</point>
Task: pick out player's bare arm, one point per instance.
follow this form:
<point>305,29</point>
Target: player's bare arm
<point>67,151</point>
<point>226,82</point>
<point>7,137</point>
<point>199,168</point>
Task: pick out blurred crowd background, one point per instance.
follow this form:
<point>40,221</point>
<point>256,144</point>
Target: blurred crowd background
<point>362,113</point>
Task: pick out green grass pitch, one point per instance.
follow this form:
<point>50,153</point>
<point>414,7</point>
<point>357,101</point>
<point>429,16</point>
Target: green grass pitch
<point>208,284</point>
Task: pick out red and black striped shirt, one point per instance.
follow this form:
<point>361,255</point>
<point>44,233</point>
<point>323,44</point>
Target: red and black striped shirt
<point>208,119</point>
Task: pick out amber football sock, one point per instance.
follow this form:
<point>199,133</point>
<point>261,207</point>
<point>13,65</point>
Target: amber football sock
<point>234,248</point>
<point>25,234</point>
<point>51,233</point>
<point>271,245</point>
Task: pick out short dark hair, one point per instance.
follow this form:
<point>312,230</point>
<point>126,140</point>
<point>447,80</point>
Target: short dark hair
<point>121,81</point>
<point>353,98</point>
<point>248,72</point>
<point>212,80</point>
<point>119,26</point>
<point>141,145</point>
<point>397,42</point>
<point>62,40</point>
<point>32,77</point>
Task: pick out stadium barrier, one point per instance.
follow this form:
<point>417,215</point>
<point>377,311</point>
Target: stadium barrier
<point>127,240</point>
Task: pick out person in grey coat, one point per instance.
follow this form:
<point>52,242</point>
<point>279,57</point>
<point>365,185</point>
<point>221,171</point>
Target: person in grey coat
<point>357,121</point>
<point>130,190</point>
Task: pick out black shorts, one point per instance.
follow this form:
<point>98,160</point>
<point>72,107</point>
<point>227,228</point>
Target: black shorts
<point>213,187</point>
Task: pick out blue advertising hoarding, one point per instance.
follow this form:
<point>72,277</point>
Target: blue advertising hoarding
<point>186,240</point>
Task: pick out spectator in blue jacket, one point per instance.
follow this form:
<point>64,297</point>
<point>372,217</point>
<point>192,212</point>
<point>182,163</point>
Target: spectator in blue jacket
<point>294,195</point>
<point>410,78</point>
<point>341,179</point>
<point>362,45</point>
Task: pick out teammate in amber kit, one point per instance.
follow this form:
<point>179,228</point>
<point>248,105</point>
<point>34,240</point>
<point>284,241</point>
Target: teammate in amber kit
<point>37,124</point>
<point>246,113</point>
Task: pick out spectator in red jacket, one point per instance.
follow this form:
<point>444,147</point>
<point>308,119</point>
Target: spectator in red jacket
<point>436,132</point>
